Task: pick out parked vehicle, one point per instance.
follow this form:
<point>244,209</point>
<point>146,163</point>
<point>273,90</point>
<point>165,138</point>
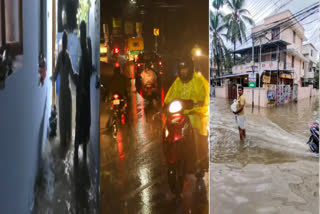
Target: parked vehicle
<point>313,141</point>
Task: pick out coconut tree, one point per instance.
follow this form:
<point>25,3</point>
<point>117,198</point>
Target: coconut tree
<point>218,48</point>
<point>236,21</point>
<point>227,60</point>
<point>218,3</point>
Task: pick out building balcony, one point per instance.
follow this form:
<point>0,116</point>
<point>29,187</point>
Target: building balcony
<point>265,66</point>
<point>309,75</point>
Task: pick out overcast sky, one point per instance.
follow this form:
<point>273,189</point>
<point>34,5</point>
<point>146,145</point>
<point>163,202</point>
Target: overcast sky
<point>260,9</point>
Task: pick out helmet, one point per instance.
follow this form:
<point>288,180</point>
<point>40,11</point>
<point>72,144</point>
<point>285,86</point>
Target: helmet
<point>185,65</point>
<point>149,61</point>
<point>185,62</point>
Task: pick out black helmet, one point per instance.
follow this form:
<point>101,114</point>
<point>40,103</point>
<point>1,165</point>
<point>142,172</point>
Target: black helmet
<point>185,62</point>
<point>149,61</point>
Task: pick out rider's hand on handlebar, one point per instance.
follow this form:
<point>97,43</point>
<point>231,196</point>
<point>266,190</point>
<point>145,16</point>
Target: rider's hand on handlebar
<point>188,104</point>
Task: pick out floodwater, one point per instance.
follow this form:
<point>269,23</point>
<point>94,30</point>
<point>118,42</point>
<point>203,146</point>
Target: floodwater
<point>63,185</point>
<point>273,171</point>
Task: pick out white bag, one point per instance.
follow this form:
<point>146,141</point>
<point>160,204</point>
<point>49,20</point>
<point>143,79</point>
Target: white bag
<point>234,106</point>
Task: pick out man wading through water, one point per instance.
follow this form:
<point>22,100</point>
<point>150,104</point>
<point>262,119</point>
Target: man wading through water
<point>239,114</point>
<point>65,69</point>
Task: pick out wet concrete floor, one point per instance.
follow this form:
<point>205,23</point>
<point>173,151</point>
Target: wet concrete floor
<point>63,185</point>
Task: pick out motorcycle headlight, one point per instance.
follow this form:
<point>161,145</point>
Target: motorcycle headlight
<point>175,107</point>
<point>167,133</point>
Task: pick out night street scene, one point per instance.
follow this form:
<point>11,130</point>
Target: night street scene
<point>150,161</point>
<point>49,68</point>
<point>264,106</point>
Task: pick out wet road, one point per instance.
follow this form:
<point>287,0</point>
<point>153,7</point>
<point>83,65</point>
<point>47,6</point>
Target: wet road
<point>64,186</point>
<point>273,170</point>
<point>134,172</point>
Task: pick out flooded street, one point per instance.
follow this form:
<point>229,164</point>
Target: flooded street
<point>63,185</point>
<point>134,171</point>
<point>273,171</point>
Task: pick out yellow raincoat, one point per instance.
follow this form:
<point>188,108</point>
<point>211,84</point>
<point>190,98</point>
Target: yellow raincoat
<point>197,89</point>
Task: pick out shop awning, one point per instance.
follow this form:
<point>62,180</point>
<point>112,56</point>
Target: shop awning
<point>232,75</point>
<point>285,76</point>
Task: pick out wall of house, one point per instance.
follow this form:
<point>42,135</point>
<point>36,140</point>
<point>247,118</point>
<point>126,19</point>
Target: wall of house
<point>305,92</point>
<point>221,91</point>
<point>247,92</point>
<point>24,113</point>
<point>287,35</point>
<point>306,49</point>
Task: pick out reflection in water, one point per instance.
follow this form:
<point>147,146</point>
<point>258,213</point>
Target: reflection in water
<point>273,171</point>
<point>64,184</point>
<point>134,171</point>
<point>120,145</point>
<point>144,175</point>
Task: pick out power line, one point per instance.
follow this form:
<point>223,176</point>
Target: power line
<point>249,37</point>
<point>255,17</point>
<point>284,21</point>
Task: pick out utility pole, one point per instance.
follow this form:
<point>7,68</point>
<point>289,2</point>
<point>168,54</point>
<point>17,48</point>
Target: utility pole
<point>278,60</point>
<point>259,74</point>
<point>252,70</point>
<point>156,44</point>
<point>156,34</point>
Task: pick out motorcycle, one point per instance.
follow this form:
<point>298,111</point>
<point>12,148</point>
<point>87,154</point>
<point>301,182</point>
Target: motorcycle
<point>313,141</point>
<point>178,138</point>
<point>118,108</point>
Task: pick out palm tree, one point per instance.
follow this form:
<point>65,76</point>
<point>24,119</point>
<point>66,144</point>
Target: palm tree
<point>236,22</point>
<point>227,62</point>
<point>218,3</point>
<point>218,47</point>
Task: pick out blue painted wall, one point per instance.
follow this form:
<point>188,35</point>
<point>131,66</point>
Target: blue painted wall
<point>94,34</point>
<point>24,112</point>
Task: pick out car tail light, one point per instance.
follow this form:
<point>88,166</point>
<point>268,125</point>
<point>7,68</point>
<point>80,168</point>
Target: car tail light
<point>116,50</point>
<point>116,96</point>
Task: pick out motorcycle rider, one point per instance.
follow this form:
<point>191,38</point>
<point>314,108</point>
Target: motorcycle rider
<point>119,84</point>
<point>193,90</point>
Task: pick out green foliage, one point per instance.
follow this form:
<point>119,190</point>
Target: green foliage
<point>236,21</point>
<point>218,3</point>
<point>218,47</point>
<point>83,11</point>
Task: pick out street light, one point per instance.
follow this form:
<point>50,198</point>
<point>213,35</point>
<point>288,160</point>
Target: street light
<point>198,52</point>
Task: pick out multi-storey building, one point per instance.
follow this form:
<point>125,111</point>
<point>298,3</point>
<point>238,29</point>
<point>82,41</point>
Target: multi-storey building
<point>311,53</point>
<point>275,60</point>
